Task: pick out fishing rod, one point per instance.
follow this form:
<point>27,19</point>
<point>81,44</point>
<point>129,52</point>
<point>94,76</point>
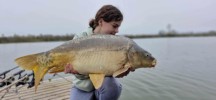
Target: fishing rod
<point>25,80</point>
<point>5,72</point>
<point>21,81</point>
<point>32,82</point>
<point>9,86</point>
<point>9,80</point>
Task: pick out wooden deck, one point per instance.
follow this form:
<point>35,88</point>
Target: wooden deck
<point>56,89</point>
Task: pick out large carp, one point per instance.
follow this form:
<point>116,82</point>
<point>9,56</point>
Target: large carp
<point>96,55</point>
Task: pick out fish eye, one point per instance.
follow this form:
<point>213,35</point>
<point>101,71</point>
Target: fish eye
<point>147,55</point>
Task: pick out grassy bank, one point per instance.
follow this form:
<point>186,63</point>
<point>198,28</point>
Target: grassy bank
<point>39,38</point>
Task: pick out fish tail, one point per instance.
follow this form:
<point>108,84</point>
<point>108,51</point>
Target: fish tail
<point>29,62</point>
<point>39,73</point>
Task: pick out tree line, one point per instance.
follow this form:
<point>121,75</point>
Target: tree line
<point>41,38</point>
<point>35,38</point>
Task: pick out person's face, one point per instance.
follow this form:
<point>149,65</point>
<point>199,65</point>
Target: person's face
<point>109,27</point>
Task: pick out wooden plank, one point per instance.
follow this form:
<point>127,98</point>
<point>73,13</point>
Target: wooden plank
<point>41,93</point>
<point>43,86</point>
<point>57,89</point>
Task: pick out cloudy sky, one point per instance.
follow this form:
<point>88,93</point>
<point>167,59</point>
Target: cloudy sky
<point>57,17</point>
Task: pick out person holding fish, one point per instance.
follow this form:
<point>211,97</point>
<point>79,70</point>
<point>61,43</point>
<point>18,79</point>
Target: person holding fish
<point>95,58</point>
<point>108,19</point>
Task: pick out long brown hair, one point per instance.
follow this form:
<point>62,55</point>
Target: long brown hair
<point>108,13</point>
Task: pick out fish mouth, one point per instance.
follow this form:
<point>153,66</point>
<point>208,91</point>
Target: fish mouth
<point>154,62</point>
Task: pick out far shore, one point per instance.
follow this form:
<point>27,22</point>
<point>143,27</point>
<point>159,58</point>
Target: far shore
<point>172,35</point>
<point>43,38</point>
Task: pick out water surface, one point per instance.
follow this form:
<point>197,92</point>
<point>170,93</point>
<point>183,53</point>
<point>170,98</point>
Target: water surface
<point>185,69</point>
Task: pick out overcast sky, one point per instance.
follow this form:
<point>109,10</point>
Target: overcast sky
<point>72,16</point>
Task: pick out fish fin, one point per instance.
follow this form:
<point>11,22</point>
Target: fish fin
<point>97,80</point>
<point>39,73</point>
<point>56,70</point>
<point>119,72</point>
<point>27,62</point>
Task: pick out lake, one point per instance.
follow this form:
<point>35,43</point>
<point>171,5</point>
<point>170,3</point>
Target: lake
<point>185,68</point>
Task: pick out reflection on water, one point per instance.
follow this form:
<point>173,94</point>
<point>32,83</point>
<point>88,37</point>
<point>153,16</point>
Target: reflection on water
<point>185,68</point>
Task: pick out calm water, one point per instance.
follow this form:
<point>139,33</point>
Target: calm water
<point>185,70</point>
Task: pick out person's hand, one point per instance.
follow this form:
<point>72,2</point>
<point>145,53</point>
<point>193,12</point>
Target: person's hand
<point>125,73</point>
<point>69,69</point>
